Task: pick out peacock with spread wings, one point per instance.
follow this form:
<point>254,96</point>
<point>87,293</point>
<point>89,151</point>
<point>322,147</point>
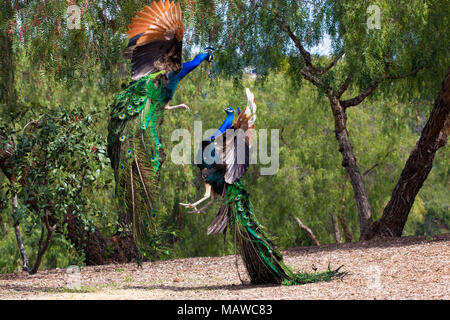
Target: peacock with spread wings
<point>134,146</point>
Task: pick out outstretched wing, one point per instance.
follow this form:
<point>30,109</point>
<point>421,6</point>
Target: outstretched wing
<point>234,146</point>
<point>156,39</point>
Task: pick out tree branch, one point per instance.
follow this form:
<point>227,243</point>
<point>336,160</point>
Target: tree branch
<point>332,64</point>
<point>376,164</point>
<point>306,72</point>
<point>308,231</point>
<point>364,94</point>
<point>344,86</point>
<point>283,25</point>
<point>371,88</point>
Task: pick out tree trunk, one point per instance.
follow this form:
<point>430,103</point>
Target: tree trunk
<point>337,234</point>
<point>2,227</point>
<point>43,244</point>
<point>349,163</point>
<point>23,253</point>
<point>347,233</point>
<point>434,136</point>
<point>99,249</point>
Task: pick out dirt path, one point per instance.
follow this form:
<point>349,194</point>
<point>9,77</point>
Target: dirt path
<point>407,268</point>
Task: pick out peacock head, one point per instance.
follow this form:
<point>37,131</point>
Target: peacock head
<point>229,110</point>
<point>203,57</point>
<point>209,54</point>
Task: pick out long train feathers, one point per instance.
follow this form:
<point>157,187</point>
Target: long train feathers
<point>264,263</point>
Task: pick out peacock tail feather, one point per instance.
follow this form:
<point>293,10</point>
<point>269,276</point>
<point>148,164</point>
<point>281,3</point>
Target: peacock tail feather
<point>264,263</point>
<point>136,151</point>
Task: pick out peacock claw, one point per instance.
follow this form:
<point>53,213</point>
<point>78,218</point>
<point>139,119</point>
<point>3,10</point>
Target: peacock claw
<point>188,205</point>
<point>184,106</point>
<point>198,211</point>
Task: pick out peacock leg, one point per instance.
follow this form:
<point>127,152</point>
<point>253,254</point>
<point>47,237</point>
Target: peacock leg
<point>205,197</point>
<point>167,107</point>
<point>207,205</point>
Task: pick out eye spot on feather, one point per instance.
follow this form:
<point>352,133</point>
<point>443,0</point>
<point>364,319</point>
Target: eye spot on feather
<point>130,107</point>
<point>131,112</point>
<point>122,138</point>
<point>122,117</point>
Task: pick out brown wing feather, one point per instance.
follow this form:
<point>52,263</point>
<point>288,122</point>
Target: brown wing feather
<point>234,149</point>
<point>164,17</point>
<point>156,36</point>
<point>246,120</point>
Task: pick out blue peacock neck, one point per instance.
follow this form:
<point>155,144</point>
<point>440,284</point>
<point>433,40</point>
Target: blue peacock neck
<point>186,69</point>
<point>225,126</point>
<point>191,65</point>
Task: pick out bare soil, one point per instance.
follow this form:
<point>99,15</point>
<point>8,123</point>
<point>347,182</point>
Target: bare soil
<point>405,268</point>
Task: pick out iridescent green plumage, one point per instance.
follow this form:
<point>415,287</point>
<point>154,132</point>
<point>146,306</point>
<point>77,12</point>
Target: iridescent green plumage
<point>136,151</point>
<point>264,263</point>
<point>155,48</point>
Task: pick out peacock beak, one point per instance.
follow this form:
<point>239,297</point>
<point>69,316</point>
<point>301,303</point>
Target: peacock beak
<point>225,109</point>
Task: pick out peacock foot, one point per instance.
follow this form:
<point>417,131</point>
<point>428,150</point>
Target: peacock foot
<point>188,205</point>
<point>184,106</point>
<point>202,210</point>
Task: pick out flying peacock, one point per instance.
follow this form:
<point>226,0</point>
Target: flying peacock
<point>223,160</point>
<point>134,147</point>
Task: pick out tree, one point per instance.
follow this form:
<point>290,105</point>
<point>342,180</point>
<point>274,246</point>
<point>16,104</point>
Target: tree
<point>434,136</point>
<point>83,68</point>
<point>410,42</point>
<point>78,69</point>
<point>34,153</point>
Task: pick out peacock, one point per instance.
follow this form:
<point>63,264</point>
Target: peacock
<point>134,146</point>
<point>223,160</point>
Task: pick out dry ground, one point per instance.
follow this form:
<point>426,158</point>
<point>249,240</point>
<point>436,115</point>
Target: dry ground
<point>406,268</point>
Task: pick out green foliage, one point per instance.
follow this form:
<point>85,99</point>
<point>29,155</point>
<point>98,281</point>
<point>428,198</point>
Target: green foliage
<point>58,161</point>
<point>82,70</point>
